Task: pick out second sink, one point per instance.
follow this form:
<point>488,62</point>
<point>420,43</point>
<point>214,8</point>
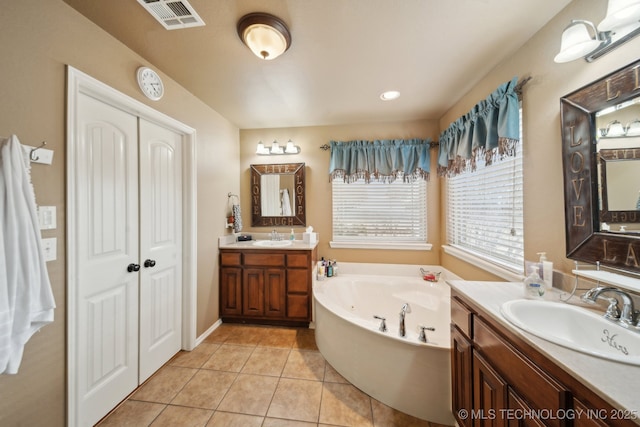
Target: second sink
<point>575,328</point>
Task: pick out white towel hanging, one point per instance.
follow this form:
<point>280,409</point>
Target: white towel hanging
<point>26,299</point>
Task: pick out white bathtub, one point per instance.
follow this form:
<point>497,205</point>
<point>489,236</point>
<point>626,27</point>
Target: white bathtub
<point>403,373</point>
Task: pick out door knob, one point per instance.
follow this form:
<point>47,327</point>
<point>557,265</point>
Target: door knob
<point>133,267</point>
<point>150,263</point>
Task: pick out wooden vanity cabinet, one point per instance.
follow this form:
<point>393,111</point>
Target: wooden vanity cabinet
<point>500,380</point>
<point>266,286</point>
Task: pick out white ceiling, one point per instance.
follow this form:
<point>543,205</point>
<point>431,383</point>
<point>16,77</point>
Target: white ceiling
<point>344,54</point>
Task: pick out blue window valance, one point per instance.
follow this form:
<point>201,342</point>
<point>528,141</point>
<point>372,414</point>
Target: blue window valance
<point>491,129</point>
<point>384,160</point>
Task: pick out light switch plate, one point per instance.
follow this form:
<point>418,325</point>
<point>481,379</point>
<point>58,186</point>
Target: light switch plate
<point>47,217</point>
<point>49,248</point>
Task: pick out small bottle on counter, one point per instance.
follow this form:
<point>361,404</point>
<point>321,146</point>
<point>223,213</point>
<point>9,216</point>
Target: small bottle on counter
<point>321,268</point>
<point>292,236</point>
<point>533,285</point>
<point>329,269</point>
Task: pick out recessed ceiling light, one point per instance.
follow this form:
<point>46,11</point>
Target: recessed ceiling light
<point>390,95</point>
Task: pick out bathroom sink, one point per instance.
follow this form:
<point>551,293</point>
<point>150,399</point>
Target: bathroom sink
<point>272,243</point>
<point>575,328</point>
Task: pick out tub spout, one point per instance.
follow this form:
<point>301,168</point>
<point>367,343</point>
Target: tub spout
<point>405,309</point>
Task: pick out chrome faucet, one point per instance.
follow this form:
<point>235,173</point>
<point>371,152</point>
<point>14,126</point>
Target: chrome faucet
<point>275,236</point>
<point>405,309</point>
<point>628,317</point>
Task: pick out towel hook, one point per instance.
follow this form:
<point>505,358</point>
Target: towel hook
<point>33,156</point>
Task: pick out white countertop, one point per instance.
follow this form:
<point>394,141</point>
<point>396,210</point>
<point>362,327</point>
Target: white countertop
<point>229,242</point>
<point>617,383</point>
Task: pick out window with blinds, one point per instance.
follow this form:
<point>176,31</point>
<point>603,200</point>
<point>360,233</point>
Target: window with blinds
<point>380,212</point>
<point>485,213</point>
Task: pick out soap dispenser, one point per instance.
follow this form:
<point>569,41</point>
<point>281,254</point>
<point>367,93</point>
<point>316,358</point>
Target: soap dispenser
<point>292,236</point>
<point>533,285</point>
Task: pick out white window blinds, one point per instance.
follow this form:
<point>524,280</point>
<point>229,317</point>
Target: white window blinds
<point>485,213</point>
<point>380,212</point>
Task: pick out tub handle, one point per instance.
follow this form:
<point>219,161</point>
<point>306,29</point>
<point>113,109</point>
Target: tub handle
<point>383,324</point>
<point>423,336</point>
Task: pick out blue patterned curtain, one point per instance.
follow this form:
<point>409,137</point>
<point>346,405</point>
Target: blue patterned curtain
<point>384,160</point>
<point>491,129</point>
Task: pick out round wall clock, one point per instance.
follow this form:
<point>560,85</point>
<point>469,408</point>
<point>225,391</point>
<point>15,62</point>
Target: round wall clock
<point>150,83</point>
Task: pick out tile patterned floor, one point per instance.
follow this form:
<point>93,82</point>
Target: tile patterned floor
<point>244,376</point>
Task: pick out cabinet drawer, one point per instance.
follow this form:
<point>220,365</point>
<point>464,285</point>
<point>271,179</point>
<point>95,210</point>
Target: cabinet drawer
<point>462,317</point>
<point>298,281</point>
<point>264,259</point>
<point>298,306</point>
<point>297,260</point>
<point>526,379</point>
<point>230,258</point>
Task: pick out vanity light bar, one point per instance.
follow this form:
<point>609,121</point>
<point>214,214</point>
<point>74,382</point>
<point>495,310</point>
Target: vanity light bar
<point>276,149</point>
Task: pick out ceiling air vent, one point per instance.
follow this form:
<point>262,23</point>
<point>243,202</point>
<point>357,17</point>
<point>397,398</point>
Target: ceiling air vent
<point>173,14</point>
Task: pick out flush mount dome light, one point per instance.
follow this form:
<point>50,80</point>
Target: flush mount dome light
<point>266,35</point>
<point>390,95</point>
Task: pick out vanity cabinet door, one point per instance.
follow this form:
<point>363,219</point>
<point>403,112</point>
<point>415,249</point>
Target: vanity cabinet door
<point>461,376</point>
<point>253,292</point>
<point>230,291</point>
<point>274,289</point>
<point>520,414</point>
<point>489,394</point>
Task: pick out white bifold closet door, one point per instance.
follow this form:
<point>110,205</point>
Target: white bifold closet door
<point>129,211</point>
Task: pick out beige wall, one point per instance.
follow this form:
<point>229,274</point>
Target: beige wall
<point>318,188</point>
<point>38,39</point>
<point>543,194</point>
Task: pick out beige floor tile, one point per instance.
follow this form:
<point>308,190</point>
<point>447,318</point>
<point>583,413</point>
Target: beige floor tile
<point>205,390</point>
<point>178,416</point>
<point>226,419</point>
<point>278,337</point>
<point>296,400</point>
<point>246,335</point>
<point>228,358</point>
<point>133,414</point>
<point>305,340</point>
<point>332,376</point>
<point>345,405</point>
<point>164,385</point>
<point>277,422</point>
<point>249,394</point>
<point>385,416</point>
<point>196,357</point>
<point>308,365</point>
<point>222,332</point>
<point>266,361</point>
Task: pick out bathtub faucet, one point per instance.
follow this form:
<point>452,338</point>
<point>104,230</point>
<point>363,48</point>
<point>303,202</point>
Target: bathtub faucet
<point>405,309</point>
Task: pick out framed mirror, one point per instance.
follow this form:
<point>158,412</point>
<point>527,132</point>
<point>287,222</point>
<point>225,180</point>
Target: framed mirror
<point>589,151</point>
<point>278,195</point>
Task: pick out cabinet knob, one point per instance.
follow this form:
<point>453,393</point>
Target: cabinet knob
<point>133,267</point>
<point>149,263</point>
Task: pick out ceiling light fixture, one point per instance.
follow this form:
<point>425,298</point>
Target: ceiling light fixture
<point>266,35</point>
<point>276,149</point>
<point>390,95</point>
<point>583,39</point>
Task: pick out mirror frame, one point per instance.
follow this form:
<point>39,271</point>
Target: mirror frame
<point>299,217</point>
<point>584,240</point>
<point>615,155</point>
